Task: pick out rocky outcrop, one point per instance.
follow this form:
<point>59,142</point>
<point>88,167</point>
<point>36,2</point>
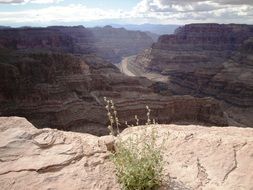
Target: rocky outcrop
<point>205,60</point>
<point>51,159</point>
<point>115,43</point>
<point>66,92</point>
<point>109,43</point>
<point>195,157</point>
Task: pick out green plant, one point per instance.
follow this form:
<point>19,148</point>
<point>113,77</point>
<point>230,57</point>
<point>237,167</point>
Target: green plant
<point>139,162</point>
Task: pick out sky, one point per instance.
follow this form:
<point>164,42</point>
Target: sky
<point>73,12</point>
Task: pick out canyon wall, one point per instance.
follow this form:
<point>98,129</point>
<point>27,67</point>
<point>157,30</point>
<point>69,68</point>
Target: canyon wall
<point>78,40</point>
<point>66,92</point>
<point>115,43</point>
<point>109,43</point>
<point>206,60</point>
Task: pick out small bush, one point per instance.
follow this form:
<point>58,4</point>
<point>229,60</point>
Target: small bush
<point>139,163</point>
<point>138,160</point>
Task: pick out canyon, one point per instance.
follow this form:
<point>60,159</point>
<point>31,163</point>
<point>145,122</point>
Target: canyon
<point>204,60</point>
<point>66,92</point>
<point>53,121</point>
<point>54,78</point>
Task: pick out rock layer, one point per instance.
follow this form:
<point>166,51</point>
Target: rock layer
<point>77,39</point>
<point>195,157</point>
<point>66,92</point>
<point>109,43</point>
<point>206,60</point>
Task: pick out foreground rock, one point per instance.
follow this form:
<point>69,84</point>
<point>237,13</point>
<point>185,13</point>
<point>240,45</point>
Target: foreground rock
<point>51,159</point>
<point>195,157</point>
<point>198,158</point>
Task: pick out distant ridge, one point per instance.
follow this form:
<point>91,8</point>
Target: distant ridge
<point>153,28</point>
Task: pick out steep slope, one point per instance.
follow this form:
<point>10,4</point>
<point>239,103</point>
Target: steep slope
<point>195,157</point>
<point>66,92</point>
<point>206,60</point>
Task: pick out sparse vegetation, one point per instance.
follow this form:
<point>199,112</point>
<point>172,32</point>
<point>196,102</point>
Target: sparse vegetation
<point>112,116</point>
<point>138,160</point>
<point>139,163</point>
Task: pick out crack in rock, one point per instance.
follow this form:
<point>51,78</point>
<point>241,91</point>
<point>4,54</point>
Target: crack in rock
<point>21,170</point>
<point>233,168</point>
<point>202,175</point>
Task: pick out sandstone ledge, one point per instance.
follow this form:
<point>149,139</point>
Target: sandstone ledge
<point>50,159</point>
<point>196,157</point>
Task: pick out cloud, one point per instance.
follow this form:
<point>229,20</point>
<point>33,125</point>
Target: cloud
<point>45,1</point>
<point>234,2</point>
<point>221,2</point>
<point>29,1</point>
<point>70,13</point>
<point>152,11</point>
<point>11,1</point>
<point>162,6</point>
<point>222,11</point>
